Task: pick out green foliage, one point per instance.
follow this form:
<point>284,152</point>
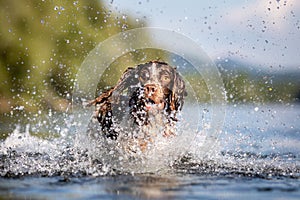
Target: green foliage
<point>42,44</point>
<point>242,86</point>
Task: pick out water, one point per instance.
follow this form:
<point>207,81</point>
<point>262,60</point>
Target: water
<point>257,157</point>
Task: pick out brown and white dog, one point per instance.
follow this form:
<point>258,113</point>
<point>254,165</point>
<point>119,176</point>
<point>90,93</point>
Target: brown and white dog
<point>151,94</point>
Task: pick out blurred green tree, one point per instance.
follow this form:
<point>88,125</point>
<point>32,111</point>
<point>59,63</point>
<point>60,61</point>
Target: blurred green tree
<point>42,44</point>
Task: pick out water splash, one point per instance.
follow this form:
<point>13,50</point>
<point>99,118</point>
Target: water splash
<point>22,154</point>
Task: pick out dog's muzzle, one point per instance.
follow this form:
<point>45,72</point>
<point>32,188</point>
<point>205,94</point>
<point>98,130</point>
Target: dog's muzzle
<point>154,96</point>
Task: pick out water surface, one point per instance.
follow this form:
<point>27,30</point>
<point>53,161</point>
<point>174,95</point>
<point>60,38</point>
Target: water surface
<point>257,157</point>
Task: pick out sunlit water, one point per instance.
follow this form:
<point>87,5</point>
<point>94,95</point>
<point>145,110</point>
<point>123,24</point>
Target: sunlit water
<point>257,156</point>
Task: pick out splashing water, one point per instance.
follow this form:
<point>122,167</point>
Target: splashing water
<point>22,154</point>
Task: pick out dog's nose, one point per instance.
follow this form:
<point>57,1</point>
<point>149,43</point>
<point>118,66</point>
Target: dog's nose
<point>150,88</point>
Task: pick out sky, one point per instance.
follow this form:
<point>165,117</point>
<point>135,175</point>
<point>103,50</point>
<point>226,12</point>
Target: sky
<point>262,32</point>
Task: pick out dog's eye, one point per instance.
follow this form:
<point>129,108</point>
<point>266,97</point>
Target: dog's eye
<point>165,78</point>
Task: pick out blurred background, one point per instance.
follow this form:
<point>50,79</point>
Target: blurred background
<point>255,44</point>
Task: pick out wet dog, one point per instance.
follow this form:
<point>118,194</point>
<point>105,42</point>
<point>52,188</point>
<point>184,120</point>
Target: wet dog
<point>143,104</point>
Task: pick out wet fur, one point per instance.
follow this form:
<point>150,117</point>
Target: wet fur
<point>153,93</point>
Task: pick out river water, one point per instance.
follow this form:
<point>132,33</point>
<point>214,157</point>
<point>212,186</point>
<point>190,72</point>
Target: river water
<point>257,156</point>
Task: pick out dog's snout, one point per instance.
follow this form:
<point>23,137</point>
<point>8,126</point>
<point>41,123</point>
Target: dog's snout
<point>150,88</point>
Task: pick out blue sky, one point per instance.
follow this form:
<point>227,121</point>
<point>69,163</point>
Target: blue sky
<point>264,32</point>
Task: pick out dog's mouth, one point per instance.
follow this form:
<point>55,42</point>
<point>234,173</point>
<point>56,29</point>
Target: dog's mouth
<point>150,104</point>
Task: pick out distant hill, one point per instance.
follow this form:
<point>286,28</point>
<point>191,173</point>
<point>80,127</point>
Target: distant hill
<point>246,79</point>
<point>229,65</point>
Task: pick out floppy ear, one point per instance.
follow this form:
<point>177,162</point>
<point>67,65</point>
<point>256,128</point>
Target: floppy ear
<point>128,78</point>
<point>178,92</point>
<point>104,103</point>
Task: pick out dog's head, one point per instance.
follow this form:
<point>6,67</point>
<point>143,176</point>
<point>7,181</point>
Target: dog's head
<point>153,89</point>
<point>156,80</point>
<point>156,84</point>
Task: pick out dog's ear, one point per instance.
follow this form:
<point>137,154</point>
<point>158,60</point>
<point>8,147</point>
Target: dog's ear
<point>103,103</point>
<point>128,78</point>
<point>103,97</point>
<point>178,92</point>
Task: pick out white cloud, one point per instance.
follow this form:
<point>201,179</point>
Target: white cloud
<point>266,31</point>
<point>276,14</point>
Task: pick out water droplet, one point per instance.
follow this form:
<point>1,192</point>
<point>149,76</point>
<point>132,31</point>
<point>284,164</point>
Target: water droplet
<point>19,108</point>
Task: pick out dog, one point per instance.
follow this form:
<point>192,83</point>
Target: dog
<point>151,94</point>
